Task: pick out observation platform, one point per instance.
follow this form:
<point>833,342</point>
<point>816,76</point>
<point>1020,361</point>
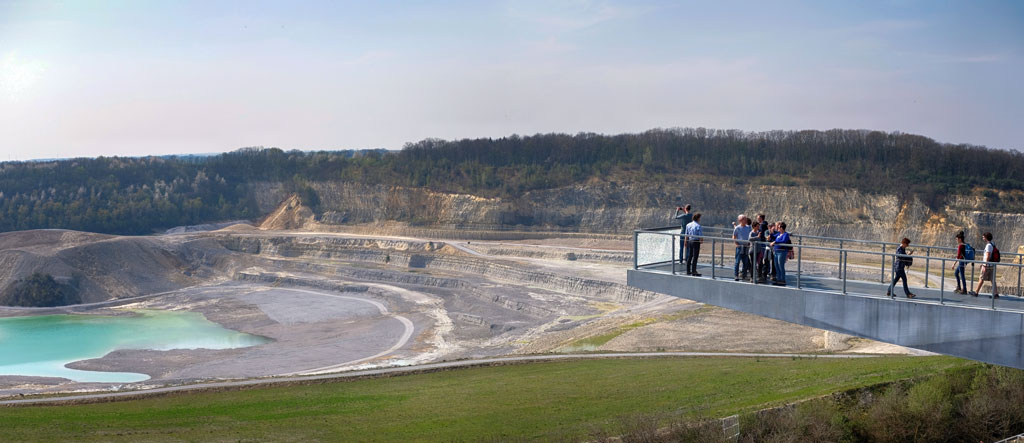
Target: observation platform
<point>837,285</point>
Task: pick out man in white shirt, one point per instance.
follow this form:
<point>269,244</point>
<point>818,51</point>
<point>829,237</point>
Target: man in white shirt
<point>694,237</point>
<point>988,270</point>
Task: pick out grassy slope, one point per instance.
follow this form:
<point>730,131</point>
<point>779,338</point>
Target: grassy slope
<point>554,400</point>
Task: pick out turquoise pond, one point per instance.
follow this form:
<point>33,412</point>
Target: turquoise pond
<point>42,345</point>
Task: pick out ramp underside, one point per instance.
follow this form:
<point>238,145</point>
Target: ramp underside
<point>956,326</point>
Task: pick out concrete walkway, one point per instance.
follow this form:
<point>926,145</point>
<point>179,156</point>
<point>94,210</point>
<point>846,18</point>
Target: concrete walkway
<point>860,288</point>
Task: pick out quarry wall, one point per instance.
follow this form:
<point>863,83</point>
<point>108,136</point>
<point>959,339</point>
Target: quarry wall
<point>619,208</point>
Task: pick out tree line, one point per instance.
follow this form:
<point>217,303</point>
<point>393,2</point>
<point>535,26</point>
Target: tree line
<point>139,195</point>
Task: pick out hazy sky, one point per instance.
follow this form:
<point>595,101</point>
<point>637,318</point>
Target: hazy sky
<point>81,78</point>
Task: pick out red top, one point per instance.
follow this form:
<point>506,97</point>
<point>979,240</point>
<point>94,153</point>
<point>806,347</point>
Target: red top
<point>960,251</point>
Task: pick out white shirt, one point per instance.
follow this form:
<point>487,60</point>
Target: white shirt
<point>988,250</point>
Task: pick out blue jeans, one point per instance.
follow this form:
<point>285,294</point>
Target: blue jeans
<point>742,257</point>
<point>780,265</point>
<point>961,280</point>
<point>899,274</point>
<point>692,254</point>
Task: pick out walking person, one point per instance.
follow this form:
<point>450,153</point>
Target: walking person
<point>901,260</point>
<point>685,217</point>
<point>988,270</point>
<point>781,250</point>
<point>959,265</point>
<point>741,234</point>
<point>694,237</point>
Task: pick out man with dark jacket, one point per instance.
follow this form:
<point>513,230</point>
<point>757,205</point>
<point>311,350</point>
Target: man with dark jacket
<point>899,266</point>
<point>684,219</point>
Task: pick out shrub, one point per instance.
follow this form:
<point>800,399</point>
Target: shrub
<point>41,290</point>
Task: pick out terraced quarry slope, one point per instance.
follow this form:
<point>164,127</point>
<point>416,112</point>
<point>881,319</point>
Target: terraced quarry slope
<point>334,301</point>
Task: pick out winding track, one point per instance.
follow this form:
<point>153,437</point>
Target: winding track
<point>402,370</point>
<point>406,334</point>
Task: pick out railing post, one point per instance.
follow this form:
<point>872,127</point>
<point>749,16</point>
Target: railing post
<point>842,270</point>
<point>673,239</point>
<point>843,255</point>
<point>799,263</point>
<point>942,284</point>
<point>753,261</point>
<point>994,280</point>
<point>636,262</point>
<point>712,258</point>
<point>883,262</point>
<point>1019,262</point>
<point>927,255</point>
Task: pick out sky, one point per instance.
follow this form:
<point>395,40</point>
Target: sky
<point>130,78</point>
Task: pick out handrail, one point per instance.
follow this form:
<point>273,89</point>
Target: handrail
<point>827,248</point>
<point>799,237</point>
<point>718,255</point>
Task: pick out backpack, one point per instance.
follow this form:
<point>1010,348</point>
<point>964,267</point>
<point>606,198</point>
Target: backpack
<point>906,261</point>
<point>994,257</point>
<point>968,251</point>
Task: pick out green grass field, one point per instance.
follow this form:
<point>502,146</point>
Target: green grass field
<point>551,401</point>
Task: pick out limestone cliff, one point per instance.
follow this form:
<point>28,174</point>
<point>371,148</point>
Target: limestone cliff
<point>619,208</point>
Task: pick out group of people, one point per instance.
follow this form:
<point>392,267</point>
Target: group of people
<point>762,248</point>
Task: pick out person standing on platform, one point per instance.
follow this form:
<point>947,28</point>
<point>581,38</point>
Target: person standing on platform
<point>741,235</point>
<point>756,251</point>
<point>694,237</point>
<point>781,249</point>
<point>685,217</point>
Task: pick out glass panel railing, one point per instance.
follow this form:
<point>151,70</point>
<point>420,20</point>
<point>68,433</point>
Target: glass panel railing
<point>655,247</point>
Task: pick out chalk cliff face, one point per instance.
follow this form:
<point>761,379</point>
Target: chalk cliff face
<point>620,208</point>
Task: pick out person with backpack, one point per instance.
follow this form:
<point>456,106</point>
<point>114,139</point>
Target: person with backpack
<point>988,270</point>
<point>901,260</point>
<point>964,251</point>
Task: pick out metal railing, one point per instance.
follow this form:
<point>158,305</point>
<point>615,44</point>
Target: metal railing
<point>800,238</point>
<point>659,249</point>
<point>841,243</point>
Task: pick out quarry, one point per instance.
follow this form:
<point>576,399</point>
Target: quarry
<point>329,299</point>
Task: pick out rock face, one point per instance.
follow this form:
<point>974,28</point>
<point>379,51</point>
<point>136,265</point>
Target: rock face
<point>107,267</point>
<point>619,208</point>
<point>290,214</point>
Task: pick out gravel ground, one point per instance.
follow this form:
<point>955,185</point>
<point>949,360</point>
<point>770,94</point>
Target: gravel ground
<point>328,304</point>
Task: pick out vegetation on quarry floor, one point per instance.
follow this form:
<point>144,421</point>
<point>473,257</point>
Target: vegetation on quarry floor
<point>595,341</point>
<point>550,401</point>
<point>971,403</point>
